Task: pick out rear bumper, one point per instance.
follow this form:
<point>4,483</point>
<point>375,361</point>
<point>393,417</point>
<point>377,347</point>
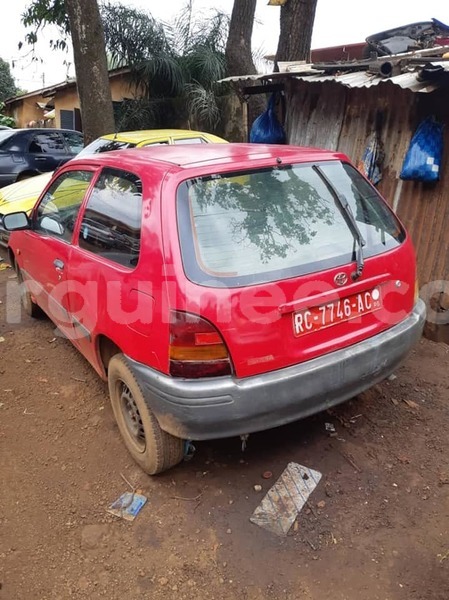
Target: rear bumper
<point>227,406</point>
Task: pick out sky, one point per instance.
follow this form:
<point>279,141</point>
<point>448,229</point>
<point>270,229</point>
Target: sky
<point>336,22</point>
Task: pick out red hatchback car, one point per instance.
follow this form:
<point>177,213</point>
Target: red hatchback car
<point>222,289</point>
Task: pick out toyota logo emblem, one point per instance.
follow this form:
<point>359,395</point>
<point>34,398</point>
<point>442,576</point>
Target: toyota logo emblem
<point>340,279</point>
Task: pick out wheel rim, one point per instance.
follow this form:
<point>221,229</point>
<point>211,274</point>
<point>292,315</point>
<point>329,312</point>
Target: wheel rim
<point>131,416</point>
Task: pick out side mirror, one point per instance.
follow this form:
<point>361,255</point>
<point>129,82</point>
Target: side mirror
<point>16,221</point>
<point>51,225</point>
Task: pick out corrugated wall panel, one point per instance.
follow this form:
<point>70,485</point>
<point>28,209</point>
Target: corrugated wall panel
<point>315,117</point>
<point>331,116</point>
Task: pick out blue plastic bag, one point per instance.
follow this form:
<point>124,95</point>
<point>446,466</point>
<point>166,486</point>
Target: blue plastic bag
<point>423,159</point>
<point>266,129</point>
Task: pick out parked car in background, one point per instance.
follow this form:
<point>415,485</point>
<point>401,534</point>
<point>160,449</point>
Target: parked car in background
<point>28,152</point>
<point>219,289</point>
<point>22,196</point>
<point>149,137</point>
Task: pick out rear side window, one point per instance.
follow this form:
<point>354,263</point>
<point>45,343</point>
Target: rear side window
<point>112,220</point>
<point>195,140</point>
<point>58,210</point>
<point>73,140</point>
<point>276,223</point>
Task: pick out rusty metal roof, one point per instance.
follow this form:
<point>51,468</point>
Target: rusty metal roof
<point>356,79</point>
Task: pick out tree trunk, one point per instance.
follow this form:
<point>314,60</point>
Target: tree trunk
<point>91,68</point>
<point>239,61</point>
<point>295,37</point>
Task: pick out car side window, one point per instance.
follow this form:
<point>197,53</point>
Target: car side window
<point>73,140</point>
<point>111,223</point>
<point>58,210</point>
<point>46,143</point>
<point>193,140</point>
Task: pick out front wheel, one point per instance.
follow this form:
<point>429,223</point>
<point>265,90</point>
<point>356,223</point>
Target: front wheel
<point>28,304</point>
<point>151,447</point>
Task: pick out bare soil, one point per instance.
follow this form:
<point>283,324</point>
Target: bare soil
<point>376,527</point>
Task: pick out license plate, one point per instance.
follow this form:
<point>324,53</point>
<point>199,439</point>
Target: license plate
<point>325,315</point>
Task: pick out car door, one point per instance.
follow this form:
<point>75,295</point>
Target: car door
<point>46,250</point>
<point>104,261</point>
<point>47,151</point>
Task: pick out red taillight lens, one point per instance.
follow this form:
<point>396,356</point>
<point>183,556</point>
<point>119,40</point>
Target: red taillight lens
<point>196,348</point>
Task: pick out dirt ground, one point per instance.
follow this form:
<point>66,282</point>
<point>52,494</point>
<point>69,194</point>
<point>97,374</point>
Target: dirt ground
<point>376,527</point>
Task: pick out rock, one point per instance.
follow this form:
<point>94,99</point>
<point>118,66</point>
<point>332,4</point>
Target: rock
<point>228,530</point>
<point>93,535</point>
<point>163,581</point>
<point>321,504</point>
<point>257,488</point>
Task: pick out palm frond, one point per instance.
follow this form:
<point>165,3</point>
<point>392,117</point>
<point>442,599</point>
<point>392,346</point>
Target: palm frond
<point>160,76</point>
<point>132,35</point>
<point>202,106</point>
<point>205,66</point>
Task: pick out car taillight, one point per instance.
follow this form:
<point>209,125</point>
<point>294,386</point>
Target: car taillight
<point>196,348</point>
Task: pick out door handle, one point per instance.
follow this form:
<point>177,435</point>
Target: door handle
<point>40,158</point>
<point>59,264</point>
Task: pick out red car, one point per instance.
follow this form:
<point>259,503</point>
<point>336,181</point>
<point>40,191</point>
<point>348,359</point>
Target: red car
<point>221,289</point>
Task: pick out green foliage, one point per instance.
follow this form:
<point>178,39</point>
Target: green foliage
<point>4,120</point>
<point>7,85</point>
<point>175,65</point>
<point>46,12</point>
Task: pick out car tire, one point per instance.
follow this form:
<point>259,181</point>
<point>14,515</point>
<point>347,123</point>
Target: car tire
<point>25,175</point>
<point>29,306</point>
<point>153,449</point>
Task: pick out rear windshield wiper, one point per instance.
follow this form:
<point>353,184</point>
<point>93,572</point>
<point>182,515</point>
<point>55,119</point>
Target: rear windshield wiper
<point>348,215</point>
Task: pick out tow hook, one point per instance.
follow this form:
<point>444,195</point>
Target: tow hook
<point>189,450</point>
<point>244,439</point>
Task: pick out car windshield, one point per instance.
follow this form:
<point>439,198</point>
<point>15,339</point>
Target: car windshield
<point>5,134</point>
<point>103,145</point>
<point>280,222</point>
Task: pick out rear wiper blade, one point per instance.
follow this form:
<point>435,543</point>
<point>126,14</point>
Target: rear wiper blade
<point>350,220</point>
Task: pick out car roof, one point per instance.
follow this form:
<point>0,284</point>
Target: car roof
<point>42,130</point>
<point>185,156</point>
<point>145,134</point>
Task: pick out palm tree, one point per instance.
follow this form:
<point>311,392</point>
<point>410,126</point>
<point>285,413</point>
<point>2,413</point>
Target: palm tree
<point>175,66</point>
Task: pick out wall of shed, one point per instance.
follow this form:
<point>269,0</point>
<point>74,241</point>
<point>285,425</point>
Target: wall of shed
<point>332,116</point>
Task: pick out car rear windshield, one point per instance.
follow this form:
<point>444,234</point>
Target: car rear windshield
<point>101,145</point>
<point>251,227</point>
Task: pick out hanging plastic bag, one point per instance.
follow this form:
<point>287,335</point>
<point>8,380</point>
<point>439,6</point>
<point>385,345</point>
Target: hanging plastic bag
<point>372,159</point>
<point>267,129</point>
<point>423,159</point>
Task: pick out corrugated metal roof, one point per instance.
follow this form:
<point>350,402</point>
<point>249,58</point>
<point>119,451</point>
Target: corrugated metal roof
<point>356,79</point>
<point>360,79</point>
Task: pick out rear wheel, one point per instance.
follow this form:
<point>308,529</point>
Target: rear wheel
<point>28,304</point>
<point>151,447</point>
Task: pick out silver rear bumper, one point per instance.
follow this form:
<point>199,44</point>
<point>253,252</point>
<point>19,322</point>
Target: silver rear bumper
<point>226,406</point>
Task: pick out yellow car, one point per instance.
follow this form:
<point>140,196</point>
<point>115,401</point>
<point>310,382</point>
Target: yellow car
<point>22,195</point>
<point>150,137</point>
